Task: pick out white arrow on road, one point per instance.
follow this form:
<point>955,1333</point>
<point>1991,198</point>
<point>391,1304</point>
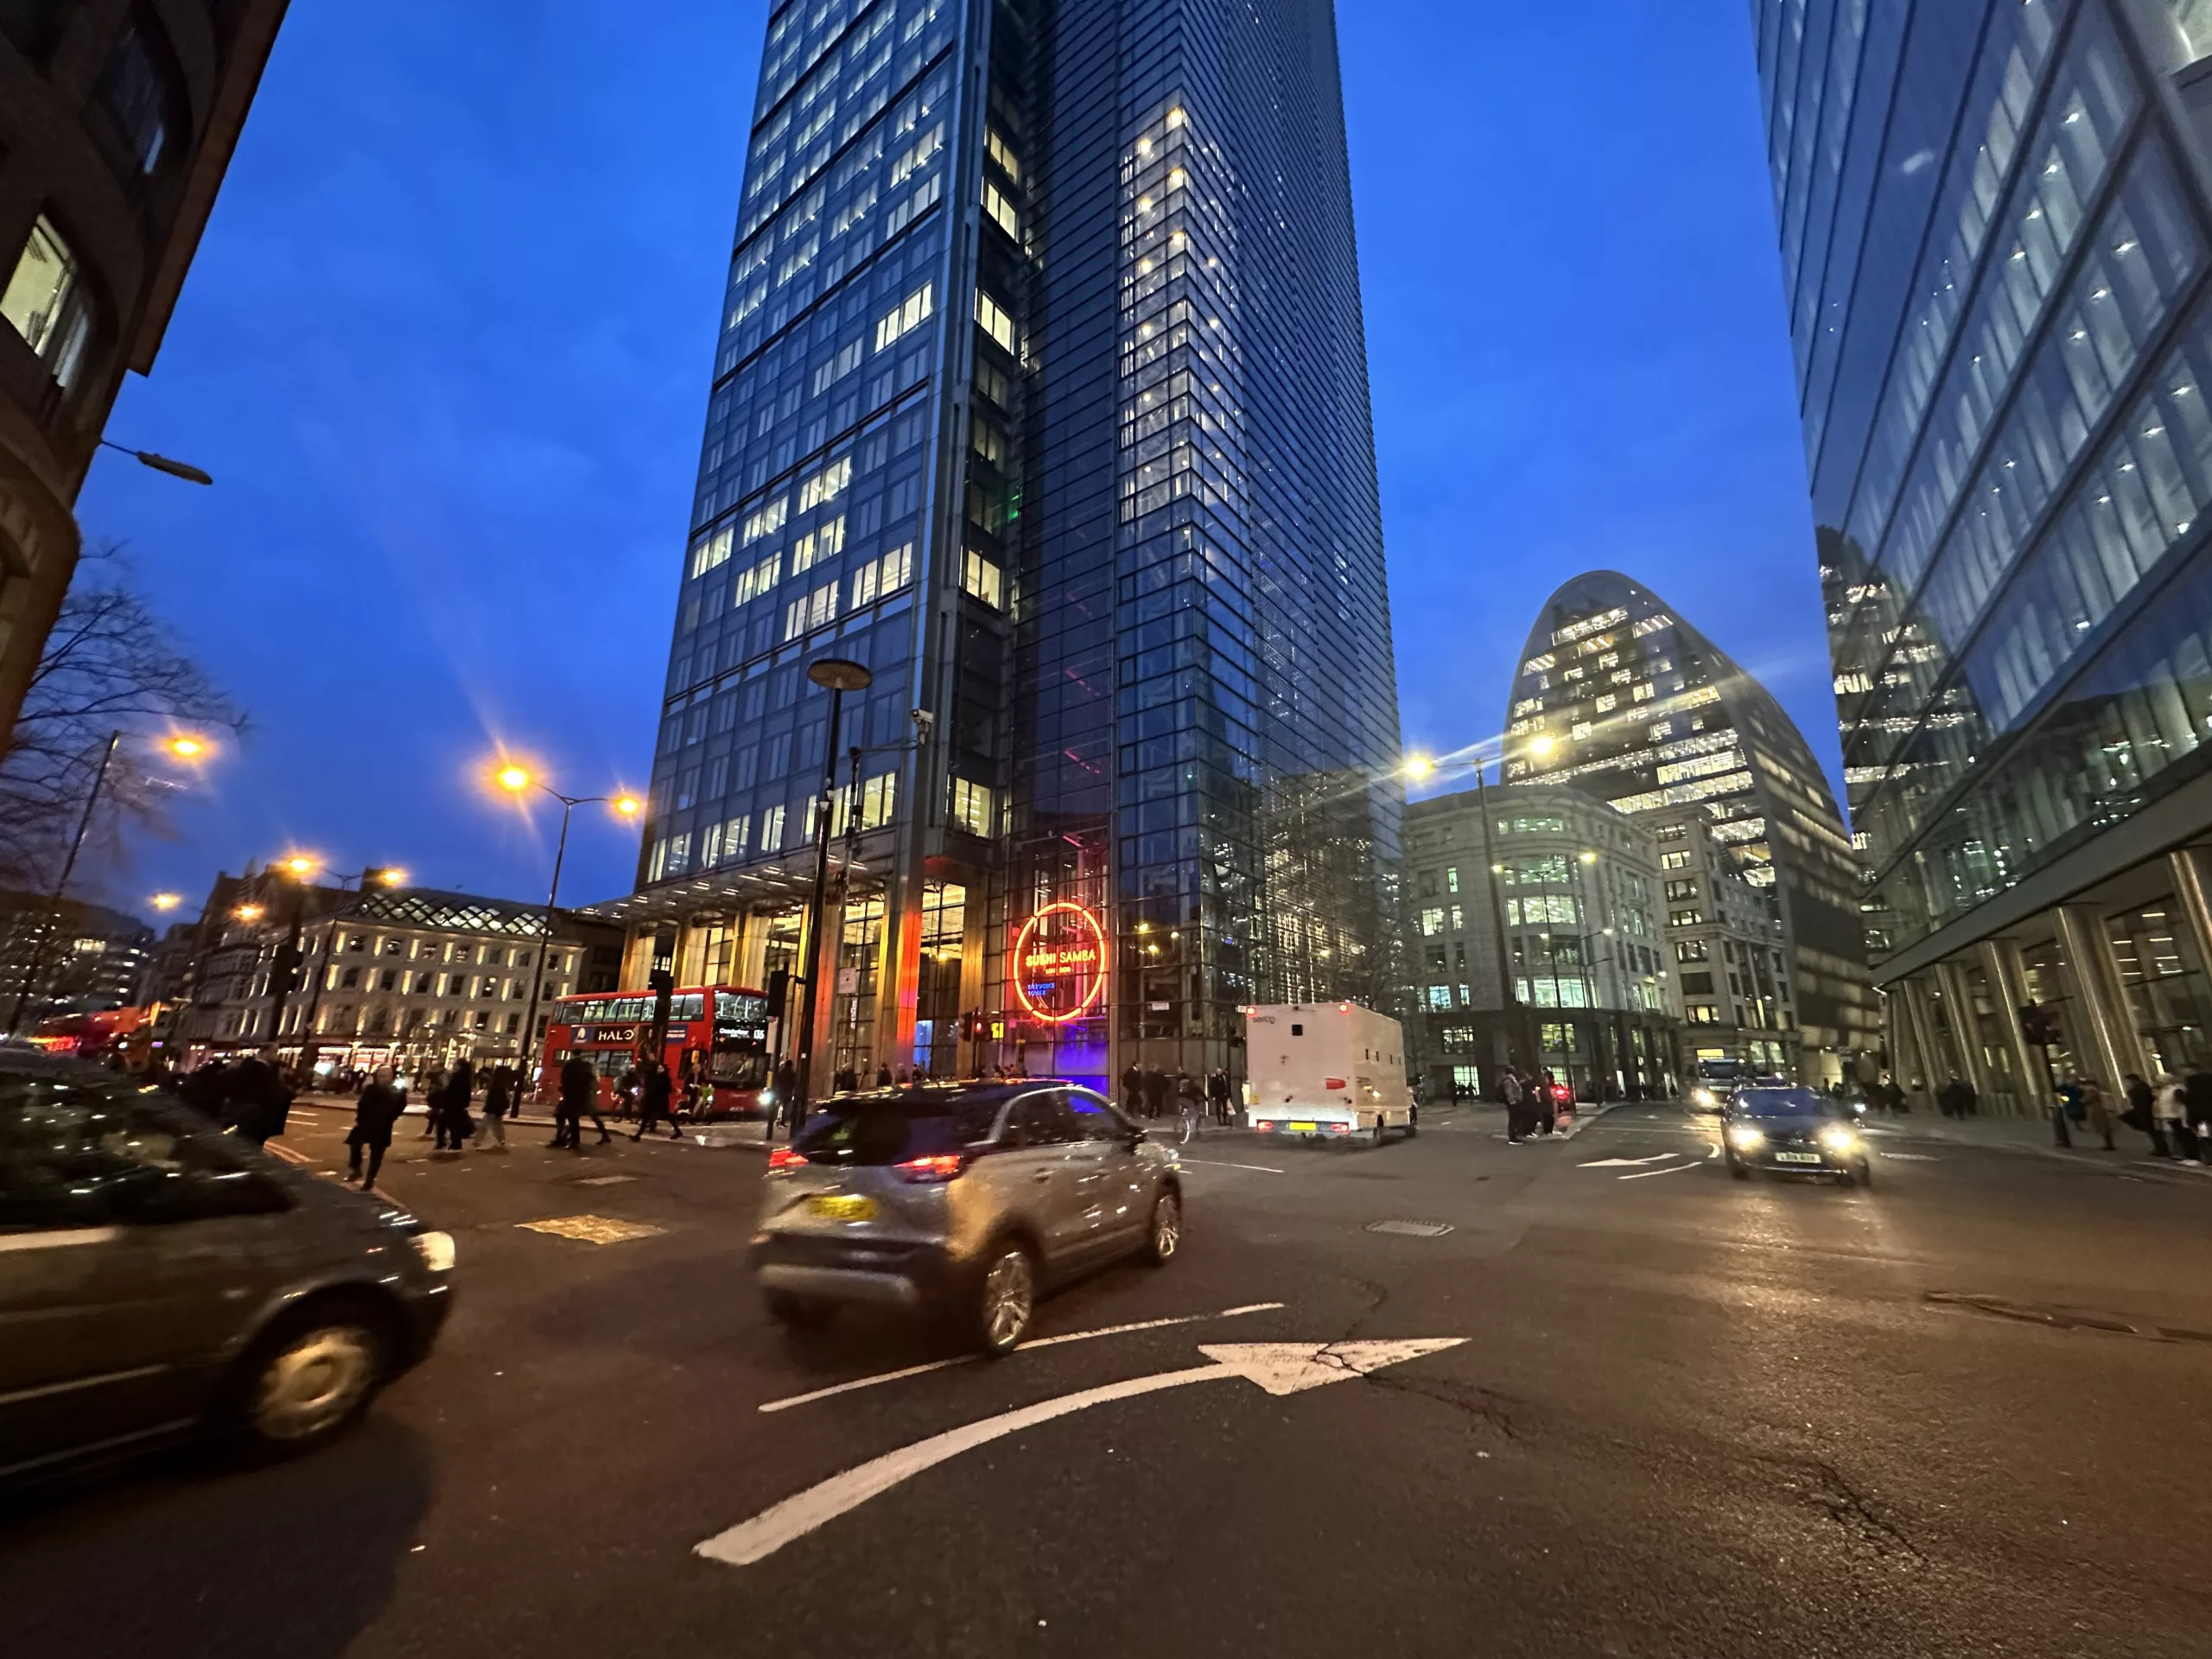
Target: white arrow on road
<point>1629,1163</point>
<point>1280,1368</point>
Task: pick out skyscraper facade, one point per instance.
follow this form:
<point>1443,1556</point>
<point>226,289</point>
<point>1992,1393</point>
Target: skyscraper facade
<point>1620,698</point>
<point>1994,230</point>
<point>1042,394</point>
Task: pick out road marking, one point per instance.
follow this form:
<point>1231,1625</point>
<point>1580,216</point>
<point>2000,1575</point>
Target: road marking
<point>1411,1228</point>
<point>605,1180</point>
<point>1041,1341</point>
<point>593,1230</point>
<point>1215,1163</point>
<point>1282,1368</point>
<point>287,1153</point>
<point>1912,1157</point>
<point>1628,1163</point>
<point>1646,1174</point>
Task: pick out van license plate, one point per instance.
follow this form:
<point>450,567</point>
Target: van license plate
<point>1305,1128</point>
<point>1798,1157</point>
<point>839,1207</point>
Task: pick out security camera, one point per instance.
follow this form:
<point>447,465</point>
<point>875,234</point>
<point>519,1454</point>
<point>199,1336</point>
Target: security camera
<point>924,722</point>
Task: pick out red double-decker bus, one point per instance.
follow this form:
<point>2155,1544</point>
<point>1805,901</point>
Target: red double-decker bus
<point>717,1040</point>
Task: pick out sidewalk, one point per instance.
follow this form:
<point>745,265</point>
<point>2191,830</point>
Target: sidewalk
<point>2032,1134</point>
<point>1487,1117</point>
<point>752,1134</point>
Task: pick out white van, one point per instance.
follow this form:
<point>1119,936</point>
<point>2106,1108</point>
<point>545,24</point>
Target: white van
<point>1325,1071</point>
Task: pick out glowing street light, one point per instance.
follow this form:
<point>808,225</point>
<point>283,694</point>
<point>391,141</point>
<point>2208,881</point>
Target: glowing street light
<point>185,746</point>
<point>300,867</point>
<point>1542,745</point>
<point>1418,768</point>
<point>513,779</point>
<point>629,806</point>
<point>165,902</point>
<point>249,913</point>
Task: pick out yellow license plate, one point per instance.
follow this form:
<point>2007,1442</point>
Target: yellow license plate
<point>836,1207</point>
<point>1305,1128</point>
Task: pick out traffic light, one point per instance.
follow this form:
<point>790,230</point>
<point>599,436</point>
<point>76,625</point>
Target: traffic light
<point>967,1027</point>
<point>779,991</point>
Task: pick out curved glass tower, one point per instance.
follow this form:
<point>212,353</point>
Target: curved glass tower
<point>1620,698</point>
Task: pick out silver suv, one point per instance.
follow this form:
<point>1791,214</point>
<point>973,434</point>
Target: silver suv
<point>158,1276</point>
<point>969,1197</point>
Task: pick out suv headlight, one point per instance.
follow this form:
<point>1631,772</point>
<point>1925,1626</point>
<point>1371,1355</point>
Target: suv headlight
<point>1839,1138</point>
<point>436,1250</point>
<point>1744,1138</point>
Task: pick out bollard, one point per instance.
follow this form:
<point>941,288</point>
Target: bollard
<point>2058,1126</point>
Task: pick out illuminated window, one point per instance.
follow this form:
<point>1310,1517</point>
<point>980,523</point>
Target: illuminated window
<point>1440,999</point>
<point>1684,917</point>
<point>994,320</point>
<point>759,579</point>
<point>713,550</point>
<point>771,830</point>
<point>1702,1014</point>
<point>44,300</point>
<point>1002,153</point>
<point>825,485</point>
<point>826,543</point>
<point>836,368</point>
<point>817,610</point>
<point>922,153</point>
<point>973,808</point>
<point>904,319</point>
<point>1002,211</point>
<point>767,521</point>
<point>1432,922</point>
<point>1680,890</point>
<point>1675,861</point>
<point>982,579</point>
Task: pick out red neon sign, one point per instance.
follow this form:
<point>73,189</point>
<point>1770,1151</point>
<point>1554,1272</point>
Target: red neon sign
<point>1049,961</point>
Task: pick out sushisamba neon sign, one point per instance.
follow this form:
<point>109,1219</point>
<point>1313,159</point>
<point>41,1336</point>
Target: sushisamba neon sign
<point>1059,964</point>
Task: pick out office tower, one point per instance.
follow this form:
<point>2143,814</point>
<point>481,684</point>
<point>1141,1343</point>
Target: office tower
<point>1620,698</point>
<point>1569,889</point>
<point>1042,394</point>
<point>1994,227</point>
<point>117,124</point>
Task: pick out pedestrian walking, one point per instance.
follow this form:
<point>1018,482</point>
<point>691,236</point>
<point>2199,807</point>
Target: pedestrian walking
<point>1132,1090</point>
<point>256,1105</point>
<point>2096,1111</point>
<point>2196,1094</point>
<point>499,1096</point>
<point>787,1107</point>
<point>656,1093</point>
<point>579,1095</point>
<point>883,1076</point>
<point>1950,1100</point>
<point>433,1088</point>
<point>1217,1094</point>
<point>449,1109</point>
<point>1547,1105</point>
<point>846,1080</point>
<point>374,1115</point>
<point>2169,1116</point>
<point>1155,1092</point>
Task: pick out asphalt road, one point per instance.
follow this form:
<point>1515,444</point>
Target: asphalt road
<point>1966,1412</point>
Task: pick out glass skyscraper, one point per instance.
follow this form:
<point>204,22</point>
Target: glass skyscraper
<point>1620,698</point>
<point>1994,227</point>
<point>1041,393</point>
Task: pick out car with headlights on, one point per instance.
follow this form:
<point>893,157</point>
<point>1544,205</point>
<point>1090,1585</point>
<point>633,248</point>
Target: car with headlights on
<point>1786,1131</point>
<point>160,1278</point>
<point>970,1199</point>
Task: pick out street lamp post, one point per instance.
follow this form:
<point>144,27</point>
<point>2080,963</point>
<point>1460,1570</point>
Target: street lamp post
<point>515,781</point>
<point>838,677</point>
<point>184,749</point>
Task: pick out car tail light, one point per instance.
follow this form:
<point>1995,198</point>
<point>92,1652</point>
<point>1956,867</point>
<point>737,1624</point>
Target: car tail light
<point>1341,1128</point>
<point>784,1157</point>
<point>1334,1084</point>
<point>935,1167</point>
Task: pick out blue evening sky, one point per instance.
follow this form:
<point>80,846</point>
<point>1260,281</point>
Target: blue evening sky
<point>447,345</point>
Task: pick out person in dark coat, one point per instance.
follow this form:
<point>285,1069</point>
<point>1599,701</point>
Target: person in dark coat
<point>786,1107</point>
<point>656,1096</point>
<point>207,1090</point>
<point>1155,1092</point>
<point>1131,1090</point>
<point>1217,1094</point>
<point>579,1095</point>
<point>847,1081</point>
<point>883,1076</point>
<point>374,1115</point>
<point>499,1101</point>
<point>449,1109</point>
<point>257,1103</point>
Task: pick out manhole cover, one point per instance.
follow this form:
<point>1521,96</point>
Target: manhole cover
<point>1411,1228</point>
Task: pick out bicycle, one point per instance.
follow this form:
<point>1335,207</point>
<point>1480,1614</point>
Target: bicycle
<point>1190,1119</point>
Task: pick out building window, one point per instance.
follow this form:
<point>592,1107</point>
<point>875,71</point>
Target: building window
<point>994,320</point>
<point>1685,919</point>
<point>1432,922</point>
<point>982,579</point>
<point>1680,890</point>
<point>1693,951</point>
<point>906,317</point>
<point>1674,860</point>
<point>1702,1014</point>
<point>973,809</point>
<point>138,88</point>
<point>1440,999</point>
<point>45,302</point>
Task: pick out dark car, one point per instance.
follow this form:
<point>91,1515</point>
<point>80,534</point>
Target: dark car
<point>159,1277</point>
<point>970,1198</point>
<point>1787,1131</point>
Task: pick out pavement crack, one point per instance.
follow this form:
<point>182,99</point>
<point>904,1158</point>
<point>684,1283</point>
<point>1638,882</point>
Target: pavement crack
<point>1479,1406</point>
<point>1829,1490</point>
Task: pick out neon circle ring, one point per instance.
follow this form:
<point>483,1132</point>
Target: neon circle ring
<point>1043,969</point>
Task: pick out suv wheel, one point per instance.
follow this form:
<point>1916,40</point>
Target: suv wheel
<point>1166,1236</point>
<point>304,1384</point>
<point>1005,1297</point>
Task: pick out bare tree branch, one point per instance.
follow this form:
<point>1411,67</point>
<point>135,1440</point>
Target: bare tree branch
<point>109,664</point>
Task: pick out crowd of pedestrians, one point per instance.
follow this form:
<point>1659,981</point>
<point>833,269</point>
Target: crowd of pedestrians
<point>1149,1093</point>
